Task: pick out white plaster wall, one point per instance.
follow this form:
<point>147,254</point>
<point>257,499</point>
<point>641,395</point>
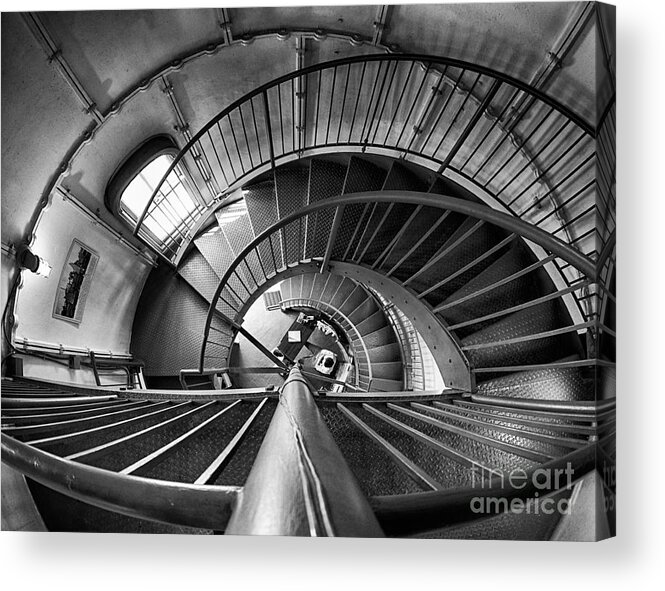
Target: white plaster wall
<point>114,292</point>
<point>43,369</point>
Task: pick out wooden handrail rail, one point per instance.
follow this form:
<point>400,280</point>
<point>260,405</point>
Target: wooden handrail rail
<point>207,507</point>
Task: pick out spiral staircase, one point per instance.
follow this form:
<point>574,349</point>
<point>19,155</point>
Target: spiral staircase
<point>474,208</point>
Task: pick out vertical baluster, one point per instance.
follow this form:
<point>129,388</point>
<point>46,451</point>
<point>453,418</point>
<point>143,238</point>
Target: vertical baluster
<point>316,114</point>
<point>226,150</point>
<point>341,116</point>
<point>219,161</point>
<point>385,100</point>
<point>337,220</point>
<point>405,86</point>
<point>263,269</point>
<point>355,108</point>
<point>294,121</point>
<point>235,143</point>
<point>281,118</point>
<point>371,100</point>
<point>256,130</point>
<point>413,103</point>
<point>330,108</point>
<point>443,109</point>
<point>266,112</point>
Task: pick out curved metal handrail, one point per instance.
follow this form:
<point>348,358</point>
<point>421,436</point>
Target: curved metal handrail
<point>200,506</point>
<point>607,251</point>
<point>550,243</point>
<point>421,59</point>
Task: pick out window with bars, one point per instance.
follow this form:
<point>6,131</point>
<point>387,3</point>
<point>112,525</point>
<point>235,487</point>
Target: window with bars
<point>174,210</point>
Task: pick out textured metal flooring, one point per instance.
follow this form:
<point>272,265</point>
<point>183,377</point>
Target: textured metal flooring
<point>172,314</point>
<point>64,514</point>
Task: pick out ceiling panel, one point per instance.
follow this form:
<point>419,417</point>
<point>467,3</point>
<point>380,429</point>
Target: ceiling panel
<point>574,85</point>
<point>352,19</point>
<point>207,85</point>
<point>148,113</point>
<point>114,50</point>
<point>513,38</point>
<point>41,119</point>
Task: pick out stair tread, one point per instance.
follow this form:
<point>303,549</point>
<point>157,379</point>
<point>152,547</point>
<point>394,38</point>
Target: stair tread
<point>362,175</point>
<point>200,275</point>
<point>366,309</point>
<point>372,323</point>
<point>386,385</point>
<point>326,180</point>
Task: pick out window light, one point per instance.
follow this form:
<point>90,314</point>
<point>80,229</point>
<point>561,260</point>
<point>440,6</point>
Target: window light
<point>173,207</point>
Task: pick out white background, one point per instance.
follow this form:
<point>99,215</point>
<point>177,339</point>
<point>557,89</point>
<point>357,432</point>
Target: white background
<point>633,560</point>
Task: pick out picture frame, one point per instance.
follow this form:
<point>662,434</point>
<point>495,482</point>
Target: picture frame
<point>74,283</point>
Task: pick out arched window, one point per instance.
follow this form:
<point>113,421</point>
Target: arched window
<point>174,209</point>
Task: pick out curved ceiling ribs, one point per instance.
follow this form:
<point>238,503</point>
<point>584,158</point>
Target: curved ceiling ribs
<point>159,74</point>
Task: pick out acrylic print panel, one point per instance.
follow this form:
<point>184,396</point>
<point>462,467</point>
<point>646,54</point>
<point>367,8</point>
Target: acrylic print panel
<point>391,311</point>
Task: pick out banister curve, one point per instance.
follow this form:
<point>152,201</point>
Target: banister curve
<point>200,506</point>
<point>587,128</point>
<point>508,222</point>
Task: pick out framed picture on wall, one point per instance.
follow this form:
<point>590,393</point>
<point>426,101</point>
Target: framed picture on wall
<point>74,284</point>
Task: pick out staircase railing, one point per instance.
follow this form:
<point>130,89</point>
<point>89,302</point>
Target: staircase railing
<point>110,368</point>
<point>412,359</point>
<point>308,490</point>
<point>531,155</point>
<point>265,269</point>
<point>337,316</point>
<point>404,515</point>
<point>203,506</point>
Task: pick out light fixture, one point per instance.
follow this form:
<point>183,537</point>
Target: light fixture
<point>28,260</point>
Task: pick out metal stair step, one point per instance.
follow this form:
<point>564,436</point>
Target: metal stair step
<point>200,275</point>
<point>363,311</point>
<point>372,323</point>
<point>387,370</point>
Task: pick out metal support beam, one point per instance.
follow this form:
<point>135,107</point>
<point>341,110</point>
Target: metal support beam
<point>300,484</point>
<point>380,23</point>
<point>300,92</point>
<point>252,339</point>
<point>54,55</point>
<point>225,24</point>
<point>266,112</point>
<point>197,152</point>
